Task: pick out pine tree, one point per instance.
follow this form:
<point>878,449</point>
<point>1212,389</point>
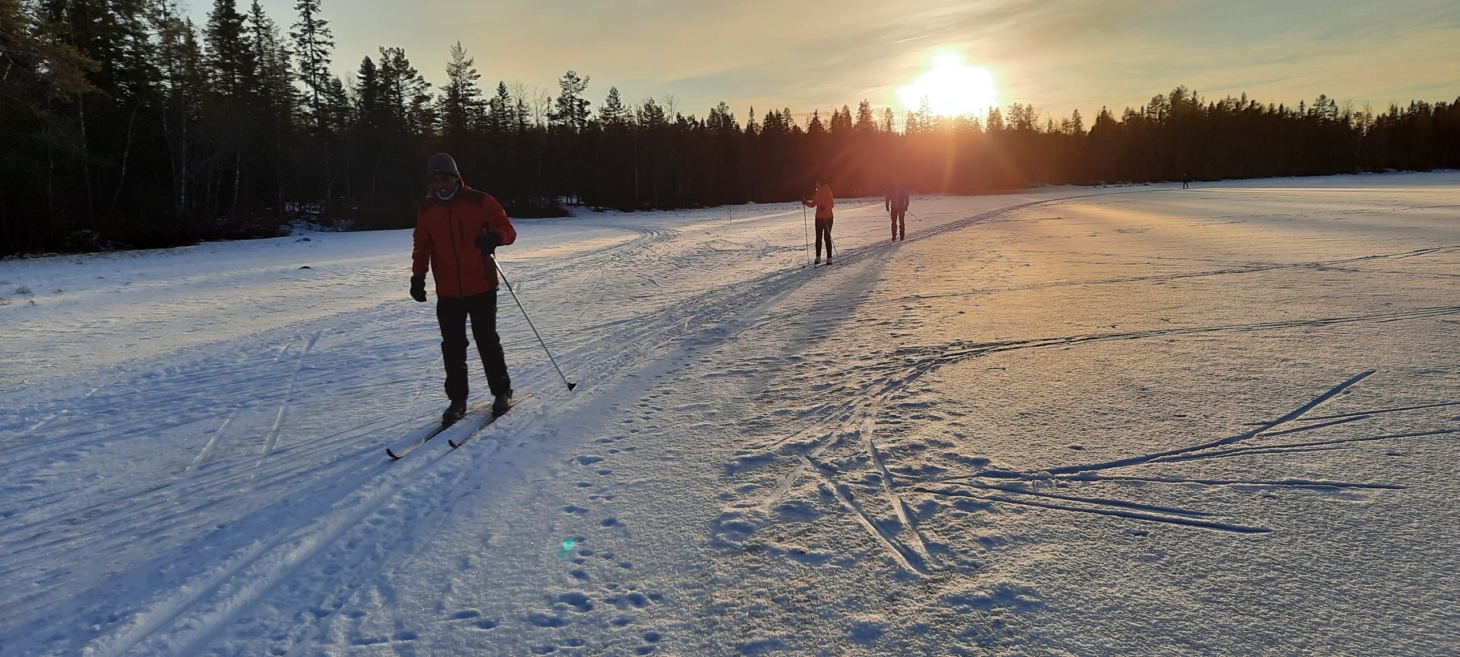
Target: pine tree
<point>721,119</point>
<point>405,93</point>
<point>570,110</point>
<point>613,113</point>
<point>651,115</point>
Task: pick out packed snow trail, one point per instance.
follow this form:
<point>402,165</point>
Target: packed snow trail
<point>1135,419</point>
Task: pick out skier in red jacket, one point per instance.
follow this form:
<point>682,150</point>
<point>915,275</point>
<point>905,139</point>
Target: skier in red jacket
<point>458,230</point>
<point>823,202</point>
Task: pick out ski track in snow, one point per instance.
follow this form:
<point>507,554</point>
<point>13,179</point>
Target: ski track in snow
<point>954,444</point>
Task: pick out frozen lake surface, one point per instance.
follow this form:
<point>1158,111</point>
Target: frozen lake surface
<point>1074,420</point>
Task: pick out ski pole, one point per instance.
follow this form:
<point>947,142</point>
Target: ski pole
<point>529,323</point>
<point>805,232</point>
<point>914,216</point>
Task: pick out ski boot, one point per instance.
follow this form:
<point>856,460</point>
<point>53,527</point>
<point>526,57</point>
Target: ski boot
<point>454,411</point>
<point>502,403</point>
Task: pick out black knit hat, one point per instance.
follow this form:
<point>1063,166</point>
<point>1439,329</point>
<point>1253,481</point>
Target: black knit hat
<point>441,163</point>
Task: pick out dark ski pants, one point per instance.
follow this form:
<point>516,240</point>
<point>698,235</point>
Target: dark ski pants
<point>452,314</point>
<point>899,223</point>
<point>823,228</point>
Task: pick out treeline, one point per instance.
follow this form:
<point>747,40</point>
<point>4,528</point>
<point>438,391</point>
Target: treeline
<point>122,123</point>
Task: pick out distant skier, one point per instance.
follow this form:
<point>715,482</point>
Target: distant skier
<point>458,230</point>
<point>823,203</point>
<point>897,202</point>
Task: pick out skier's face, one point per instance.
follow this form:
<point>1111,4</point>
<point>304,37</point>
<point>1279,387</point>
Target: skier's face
<point>443,183</point>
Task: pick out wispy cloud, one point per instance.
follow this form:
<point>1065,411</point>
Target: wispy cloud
<point>1057,54</point>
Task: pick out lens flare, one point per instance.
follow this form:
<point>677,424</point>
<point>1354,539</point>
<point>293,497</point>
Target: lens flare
<point>952,88</point>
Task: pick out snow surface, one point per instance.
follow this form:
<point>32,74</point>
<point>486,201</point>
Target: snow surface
<point>1092,421</point>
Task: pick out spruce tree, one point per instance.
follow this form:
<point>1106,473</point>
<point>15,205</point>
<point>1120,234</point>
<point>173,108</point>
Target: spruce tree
<point>313,44</point>
<point>501,117</point>
<point>276,76</point>
<point>461,109</point>
<point>371,112</point>
<point>813,124</point>
<point>233,69</point>
<point>841,120</point>
<point>866,121</point>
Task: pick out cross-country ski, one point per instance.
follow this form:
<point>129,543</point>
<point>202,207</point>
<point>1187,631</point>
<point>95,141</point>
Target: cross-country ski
<point>444,425</point>
<point>485,422</point>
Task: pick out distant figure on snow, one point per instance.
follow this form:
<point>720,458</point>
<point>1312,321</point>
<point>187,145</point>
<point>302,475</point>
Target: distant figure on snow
<point>897,202</point>
<point>823,203</point>
<point>458,230</point>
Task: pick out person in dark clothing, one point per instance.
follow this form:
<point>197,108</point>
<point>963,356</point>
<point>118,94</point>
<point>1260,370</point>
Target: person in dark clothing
<point>897,202</point>
<point>458,230</point>
<point>823,203</point>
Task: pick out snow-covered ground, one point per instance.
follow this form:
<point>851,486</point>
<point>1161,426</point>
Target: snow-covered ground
<point>1091,421</point>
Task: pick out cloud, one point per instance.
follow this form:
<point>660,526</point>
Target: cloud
<point>1058,54</point>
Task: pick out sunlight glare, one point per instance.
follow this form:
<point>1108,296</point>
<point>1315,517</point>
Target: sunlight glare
<point>952,88</point>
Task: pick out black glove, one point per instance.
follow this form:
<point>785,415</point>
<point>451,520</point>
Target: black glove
<point>488,243</point>
<point>418,288</point>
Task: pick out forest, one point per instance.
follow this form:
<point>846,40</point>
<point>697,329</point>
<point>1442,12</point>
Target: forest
<point>125,125</point>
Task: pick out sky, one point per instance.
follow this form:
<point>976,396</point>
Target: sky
<point>1059,55</point>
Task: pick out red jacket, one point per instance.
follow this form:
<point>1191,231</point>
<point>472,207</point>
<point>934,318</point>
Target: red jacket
<point>823,202</point>
<point>446,233</point>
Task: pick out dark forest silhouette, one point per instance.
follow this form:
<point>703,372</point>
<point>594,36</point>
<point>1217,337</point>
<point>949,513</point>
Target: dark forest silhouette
<point>124,124</point>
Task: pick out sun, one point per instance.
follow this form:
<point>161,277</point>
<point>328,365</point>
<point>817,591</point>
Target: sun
<point>952,88</point>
